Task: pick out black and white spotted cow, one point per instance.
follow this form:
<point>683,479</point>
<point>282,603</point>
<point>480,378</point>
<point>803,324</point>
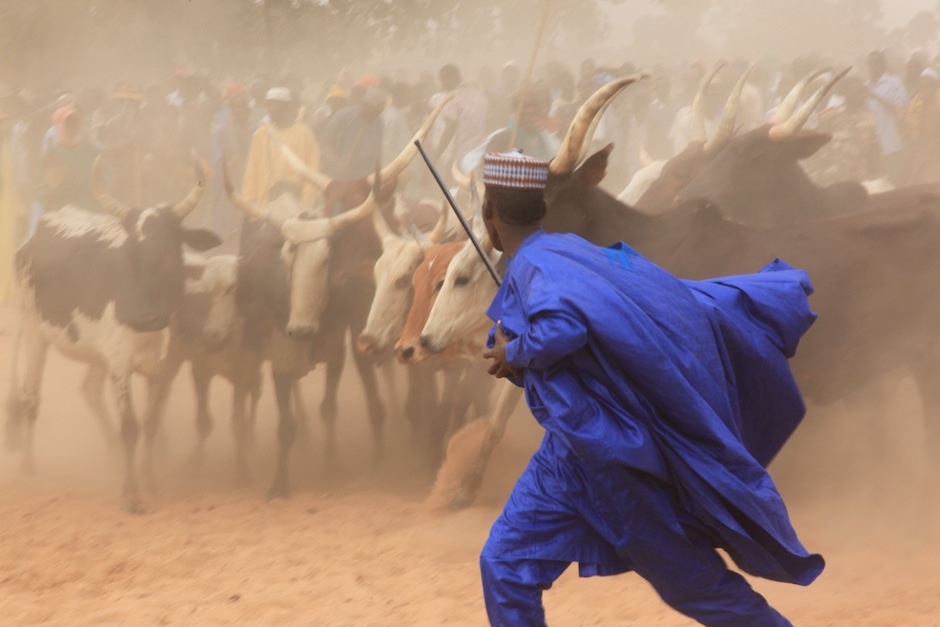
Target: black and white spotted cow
<point>102,289</point>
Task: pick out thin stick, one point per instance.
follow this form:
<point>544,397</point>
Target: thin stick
<point>463,221</point>
<point>528,73</point>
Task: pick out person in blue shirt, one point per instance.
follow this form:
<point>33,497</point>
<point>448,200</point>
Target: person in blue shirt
<point>662,402</point>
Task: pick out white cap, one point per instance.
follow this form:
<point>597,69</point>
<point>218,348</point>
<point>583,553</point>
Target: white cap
<point>279,94</point>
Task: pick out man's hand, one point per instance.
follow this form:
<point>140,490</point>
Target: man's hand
<point>499,368</point>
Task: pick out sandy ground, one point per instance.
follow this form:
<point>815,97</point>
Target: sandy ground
<point>356,546</point>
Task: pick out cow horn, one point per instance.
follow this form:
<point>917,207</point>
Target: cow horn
<point>697,118</point>
<point>798,119</point>
<point>185,206</point>
<point>107,202</point>
<point>437,234</point>
<point>381,226</point>
<point>317,179</point>
<point>355,215</point>
<point>570,152</point>
<point>729,116</point>
<point>459,177</point>
<point>788,106</point>
<point>395,168</point>
<point>275,215</point>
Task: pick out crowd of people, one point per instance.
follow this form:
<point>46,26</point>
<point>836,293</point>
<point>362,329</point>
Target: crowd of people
<point>884,119</point>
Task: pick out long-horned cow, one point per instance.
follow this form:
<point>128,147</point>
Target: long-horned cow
<point>859,337</point>
<point>102,288</point>
<point>307,284</point>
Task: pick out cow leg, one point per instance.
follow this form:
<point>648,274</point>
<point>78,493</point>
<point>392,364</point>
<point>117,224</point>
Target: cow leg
<point>927,376</point>
<point>160,381</point>
<point>24,403</point>
<point>250,376</point>
<point>300,414</point>
<point>202,377</point>
<point>389,375</point>
<point>473,389</point>
<point>130,432</point>
<point>241,430</point>
<point>439,424</point>
<point>506,403</point>
<point>335,359</point>
<point>366,368</point>
<point>286,432</point>
<point>93,388</point>
<point>421,403</point>
<point>480,390</point>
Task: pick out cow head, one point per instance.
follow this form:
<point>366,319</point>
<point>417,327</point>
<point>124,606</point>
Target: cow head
<point>676,173</point>
<point>153,249</point>
<point>393,272</point>
<point>213,290</point>
<point>427,281</point>
<point>457,316</point>
<point>756,177</point>
<point>305,253</point>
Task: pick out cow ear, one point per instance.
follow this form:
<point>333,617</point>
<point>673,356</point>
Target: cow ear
<point>592,171</point>
<point>201,239</point>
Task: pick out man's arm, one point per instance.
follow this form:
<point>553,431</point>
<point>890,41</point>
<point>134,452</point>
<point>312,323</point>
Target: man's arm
<point>551,336</point>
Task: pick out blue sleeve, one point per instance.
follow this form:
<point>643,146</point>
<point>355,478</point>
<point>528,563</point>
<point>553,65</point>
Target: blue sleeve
<point>549,337</point>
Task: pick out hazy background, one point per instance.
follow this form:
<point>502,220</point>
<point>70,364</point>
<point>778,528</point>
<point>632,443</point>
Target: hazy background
<point>70,43</point>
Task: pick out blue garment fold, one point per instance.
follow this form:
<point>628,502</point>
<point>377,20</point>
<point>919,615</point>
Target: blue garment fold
<point>633,372</point>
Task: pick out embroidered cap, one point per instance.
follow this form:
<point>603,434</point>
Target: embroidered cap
<point>514,170</point>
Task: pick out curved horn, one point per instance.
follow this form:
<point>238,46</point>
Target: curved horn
<point>395,168</point>
<point>317,179</point>
<point>437,234</point>
<point>459,177</point>
<point>729,116</point>
<point>107,202</point>
<point>381,226</point>
<point>788,106</point>
<point>185,206</point>
<point>276,212</point>
<point>699,133</point>
<point>355,215</point>
<point>798,119</point>
<point>570,151</point>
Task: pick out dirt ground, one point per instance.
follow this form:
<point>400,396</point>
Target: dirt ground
<point>356,546</point>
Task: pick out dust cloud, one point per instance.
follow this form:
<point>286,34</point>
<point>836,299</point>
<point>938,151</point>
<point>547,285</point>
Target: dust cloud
<point>356,544</point>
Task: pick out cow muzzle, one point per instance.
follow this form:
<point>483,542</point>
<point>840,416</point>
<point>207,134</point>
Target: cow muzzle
<point>366,344</point>
<point>427,343</point>
<point>411,354</point>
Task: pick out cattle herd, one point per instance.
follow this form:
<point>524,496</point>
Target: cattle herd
<point>130,291</point>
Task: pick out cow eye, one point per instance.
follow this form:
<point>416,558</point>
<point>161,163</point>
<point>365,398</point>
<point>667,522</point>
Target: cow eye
<point>461,281</point>
<point>440,284</point>
<point>402,283</point>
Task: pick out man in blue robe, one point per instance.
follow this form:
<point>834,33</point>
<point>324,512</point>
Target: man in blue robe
<point>662,401</point>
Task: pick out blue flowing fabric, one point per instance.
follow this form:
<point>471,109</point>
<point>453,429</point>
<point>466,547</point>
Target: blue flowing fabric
<point>685,383</point>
